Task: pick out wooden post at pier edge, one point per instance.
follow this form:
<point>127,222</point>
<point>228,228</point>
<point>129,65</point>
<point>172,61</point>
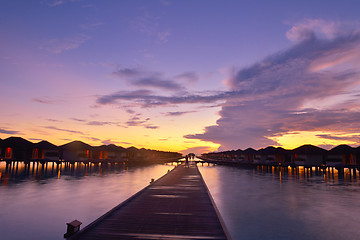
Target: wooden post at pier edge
<point>72,228</point>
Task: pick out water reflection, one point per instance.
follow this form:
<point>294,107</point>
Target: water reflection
<point>37,200</point>
<point>304,175</point>
<point>285,203</point>
<point>16,172</point>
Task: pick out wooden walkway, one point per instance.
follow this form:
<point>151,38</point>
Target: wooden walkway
<point>177,206</point>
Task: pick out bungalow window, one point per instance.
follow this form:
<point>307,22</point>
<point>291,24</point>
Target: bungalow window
<point>35,154</point>
<point>8,153</point>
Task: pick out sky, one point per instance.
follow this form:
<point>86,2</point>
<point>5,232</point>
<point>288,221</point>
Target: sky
<point>187,76</point>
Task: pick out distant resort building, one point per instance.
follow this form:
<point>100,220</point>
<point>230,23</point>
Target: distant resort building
<point>19,149</point>
<point>343,155</point>
<point>133,154</point>
<point>306,156</point>
<point>272,155</point>
<point>16,149</point>
<point>309,155</point>
<point>45,151</point>
<point>76,151</point>
<point>1,150</point>
<point>109,153</point>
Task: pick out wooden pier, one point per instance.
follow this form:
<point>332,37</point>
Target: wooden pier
<point>176,206</point>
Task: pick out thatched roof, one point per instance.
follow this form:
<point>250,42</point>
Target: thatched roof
<point>76,145</point>
<point>342,149</point>
<point>45,145</point>
<point>250,151</point>
<point>16,142</point>
<point>271,150</point>
<point>110,148</point>
<point>309,149</point>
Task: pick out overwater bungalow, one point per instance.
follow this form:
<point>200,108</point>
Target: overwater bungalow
<point>1,148</point>
<point>45,151</point>
<point>76,151</point>
<point>109,153</point>
<point>249,154</point>
<point>342,155</point>
<point>308,156</point>
<point>16,149</point>
<point>236,155</point>
<point>132,153</point>
<point>271,156</point>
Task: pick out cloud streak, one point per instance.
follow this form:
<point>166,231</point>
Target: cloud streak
<point>5,131</point>
<point>136,121</point>
<point>63,130</point>
<point>141,78</point>
<point>146,98</point>
<point>176,114</point>
<point>46,100</point>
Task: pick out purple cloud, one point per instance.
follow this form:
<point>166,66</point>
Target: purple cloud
<point>355,138</point>
<point>137,121</point>
<point>98,123</point>
<point>5,131</point>
<point>109,141</point>
<point>175,114</point>
<point>63,130</point>
<point>53,120</point>
<point>130,111</point>
<point>92,139</point>
<point>274,96</point>
<point>141,78</point>
<point>78,119</point>
<point>95,123</point>
<point>45,100</point>
<point>151,127</point>
<point>145,98</point>
<point>36,139</point>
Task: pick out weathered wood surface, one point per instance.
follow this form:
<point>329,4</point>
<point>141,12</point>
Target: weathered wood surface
<point>177,206</point>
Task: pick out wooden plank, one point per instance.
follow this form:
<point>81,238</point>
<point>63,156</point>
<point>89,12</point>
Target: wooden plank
<point>177,206</point>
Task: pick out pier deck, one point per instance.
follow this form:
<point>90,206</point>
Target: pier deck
<point>177,206</point>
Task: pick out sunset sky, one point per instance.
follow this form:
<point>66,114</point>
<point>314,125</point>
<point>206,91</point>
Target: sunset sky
<point>190,76</point>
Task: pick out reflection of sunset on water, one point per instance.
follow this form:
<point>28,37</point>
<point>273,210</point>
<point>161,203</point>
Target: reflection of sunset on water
<point>57,194</point>
<point>273,202</point>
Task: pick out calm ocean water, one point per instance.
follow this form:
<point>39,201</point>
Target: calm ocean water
<point>263,204</point>
<point>255,204</point>
<point>36,203</point>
